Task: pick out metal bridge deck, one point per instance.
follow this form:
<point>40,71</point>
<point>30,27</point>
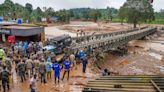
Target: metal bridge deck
<point>110,42</point>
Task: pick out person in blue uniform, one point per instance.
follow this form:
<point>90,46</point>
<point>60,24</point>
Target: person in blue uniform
<point>56,68</point>
<point>67,65</point>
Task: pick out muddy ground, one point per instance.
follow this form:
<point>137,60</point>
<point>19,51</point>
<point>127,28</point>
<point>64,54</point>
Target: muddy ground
<point>88,27</point>
<point>145,57</point>
<point>75,84</point>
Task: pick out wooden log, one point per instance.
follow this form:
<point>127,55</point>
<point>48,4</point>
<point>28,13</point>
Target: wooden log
<point>155,85</point>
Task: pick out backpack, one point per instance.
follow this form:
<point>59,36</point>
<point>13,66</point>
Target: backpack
<point>21,67</point>
<point>4,75</point>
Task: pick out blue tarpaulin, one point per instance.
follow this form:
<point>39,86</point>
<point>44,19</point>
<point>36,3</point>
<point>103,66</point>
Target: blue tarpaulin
<point>19,20</point>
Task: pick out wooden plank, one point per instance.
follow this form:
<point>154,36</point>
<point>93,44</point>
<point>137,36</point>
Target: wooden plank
<point>124,78</point>
<point>96,90</point>
<point>128,84</point>
<point>132,76</point>
<point>123,89</point>
<point>146,84</point>
<point>159,90</point>
<point>125,81</point>
<point>122,86</point>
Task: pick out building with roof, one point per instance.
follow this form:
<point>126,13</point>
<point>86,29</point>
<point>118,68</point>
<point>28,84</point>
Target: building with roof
<point>21,33</point>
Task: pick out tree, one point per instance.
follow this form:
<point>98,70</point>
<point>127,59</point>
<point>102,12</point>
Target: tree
<point>8,7</point>
<point>49,12</point>
<point>161,13</point>
<point>71,13</point>
<point>122,14</point>
<point>109,12</point>
<point>95,14</point>
<point>20,12</point>
<point>36,15</point>
<point>85,15</point>
<point>29,7</point>
<point>138,11</point>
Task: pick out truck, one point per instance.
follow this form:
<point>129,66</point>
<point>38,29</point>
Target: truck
<point>58,44</point>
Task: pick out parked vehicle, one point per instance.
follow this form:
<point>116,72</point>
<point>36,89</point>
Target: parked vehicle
<point>58,44</point>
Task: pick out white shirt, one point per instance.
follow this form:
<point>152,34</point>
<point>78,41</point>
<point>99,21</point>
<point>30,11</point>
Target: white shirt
<point>33,83</point>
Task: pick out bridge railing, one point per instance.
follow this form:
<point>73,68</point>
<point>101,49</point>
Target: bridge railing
<point>114,42</point>
<point>89,38</point>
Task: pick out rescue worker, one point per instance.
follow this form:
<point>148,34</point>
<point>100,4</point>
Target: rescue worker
<point>84,63</point>
<point>29,67</point>
<point>1,68</point>
<point>67,65</point>
<point>21,70</point>
<point>36,66</point>
<point>2,56</point>
<point>49,67</point>
<point>42,71</point>
<point>56,68</point>
<point>17,60</point>
<point>9,64</point>
<point>5,78</point>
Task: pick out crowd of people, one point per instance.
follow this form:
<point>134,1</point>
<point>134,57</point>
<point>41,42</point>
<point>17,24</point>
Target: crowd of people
<point>31,62</point>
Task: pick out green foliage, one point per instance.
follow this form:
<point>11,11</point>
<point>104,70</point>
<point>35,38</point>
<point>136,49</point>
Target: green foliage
<point>158,21</point>
<point>49,12</point>
<point>133,11</point>
<point>88,13</point>
<point>64,15</point>
<point>122,14</point>
<point>36,15</point>
<point>29,7</point>
<point>137,11</point>
<point>95,14</point>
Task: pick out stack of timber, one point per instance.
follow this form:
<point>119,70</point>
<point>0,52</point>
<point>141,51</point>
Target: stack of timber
<point>126,84</point>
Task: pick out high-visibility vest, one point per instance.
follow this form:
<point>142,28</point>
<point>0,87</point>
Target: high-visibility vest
<point>2,53</point>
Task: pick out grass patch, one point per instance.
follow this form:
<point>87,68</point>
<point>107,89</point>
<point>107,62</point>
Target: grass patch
<point>158,21</point>
<point>118,20</point>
